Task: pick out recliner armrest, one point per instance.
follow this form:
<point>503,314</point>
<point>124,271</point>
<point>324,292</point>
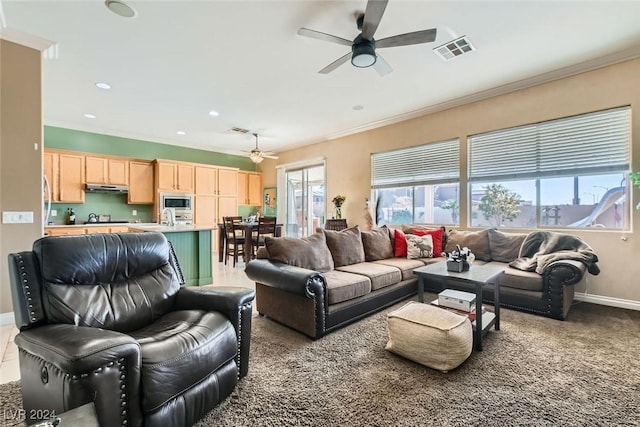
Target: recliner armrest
<point>77,349</point>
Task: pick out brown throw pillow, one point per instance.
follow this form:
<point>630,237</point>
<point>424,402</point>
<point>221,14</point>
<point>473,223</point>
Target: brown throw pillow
<point>505,247</point>
<point>345,246</point>
<point>377,244</point>
<point>309,252</point>
<point>476,241</point>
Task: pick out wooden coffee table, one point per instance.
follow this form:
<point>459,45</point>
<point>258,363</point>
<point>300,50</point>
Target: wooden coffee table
<point>474,278</point>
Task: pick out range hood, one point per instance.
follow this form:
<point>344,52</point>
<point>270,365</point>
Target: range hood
<point>103,188</point>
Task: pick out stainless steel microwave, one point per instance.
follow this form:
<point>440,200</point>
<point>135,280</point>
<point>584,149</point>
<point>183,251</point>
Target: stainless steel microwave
<point>177,201</point>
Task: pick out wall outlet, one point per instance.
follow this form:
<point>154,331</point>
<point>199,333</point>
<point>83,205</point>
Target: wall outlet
<point>54,212</point>
<point>9,217</point>
<point>134,212</point>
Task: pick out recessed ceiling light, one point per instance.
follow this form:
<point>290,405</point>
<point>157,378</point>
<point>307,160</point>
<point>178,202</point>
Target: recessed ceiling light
<point>90,116</point>
<point>214,113</point>
<point>120,8</point>
<point>181,132</point>
<point>103,85</point>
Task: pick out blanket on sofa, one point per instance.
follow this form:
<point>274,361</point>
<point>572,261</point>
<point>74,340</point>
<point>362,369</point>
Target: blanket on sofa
<point>541,248</point>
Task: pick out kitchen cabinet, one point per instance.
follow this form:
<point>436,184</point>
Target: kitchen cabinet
<point>65,231</point>
<point>51,173</point>
<point>65,173</point>
<point>215,194</point>
<point>205,210</point>
<point>228,182</point>
<point>249,188</point>
<point>174,176</point>
<point>71,180</point>
<point>227,206</point>
<point>140,182</point>
<point>106,170</point>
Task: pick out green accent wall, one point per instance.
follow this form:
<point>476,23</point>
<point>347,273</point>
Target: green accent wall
<point>105,204</point>
<point>76,140</point>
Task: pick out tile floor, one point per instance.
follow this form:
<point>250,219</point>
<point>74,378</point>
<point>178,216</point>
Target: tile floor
<point>223,275</point>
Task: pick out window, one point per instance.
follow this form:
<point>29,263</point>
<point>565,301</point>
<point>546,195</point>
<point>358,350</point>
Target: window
<point>570,172</point>
<point>417,184</point>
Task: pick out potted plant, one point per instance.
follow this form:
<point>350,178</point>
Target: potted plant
<point>337,202</point>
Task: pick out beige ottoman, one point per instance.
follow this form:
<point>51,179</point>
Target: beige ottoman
<point>429,335</point>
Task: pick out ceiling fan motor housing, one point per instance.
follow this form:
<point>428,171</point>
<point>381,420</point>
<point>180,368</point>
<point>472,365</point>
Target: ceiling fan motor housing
<point>364,52</point>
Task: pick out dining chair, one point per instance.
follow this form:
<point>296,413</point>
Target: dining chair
<point>234,239</point>
<point>335,224</point>
<point>266,227</point>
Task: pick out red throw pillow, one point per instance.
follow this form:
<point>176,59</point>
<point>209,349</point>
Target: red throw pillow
<point>400,249</point>
<point>436,235</point>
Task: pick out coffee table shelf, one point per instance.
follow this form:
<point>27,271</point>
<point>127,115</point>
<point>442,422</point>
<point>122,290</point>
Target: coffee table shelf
<point>475,277</point>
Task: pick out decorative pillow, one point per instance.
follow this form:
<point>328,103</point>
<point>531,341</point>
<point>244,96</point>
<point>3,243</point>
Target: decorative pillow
<point>437,236</point>
<point>505,247</point>
<point>400,243</point>
<point>345,246</point>
<point>476,241</point>
<point>377,244</point>
<point>419,246</point>
<point>309,252</point>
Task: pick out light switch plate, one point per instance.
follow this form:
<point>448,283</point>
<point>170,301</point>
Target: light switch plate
<point>12,217</point>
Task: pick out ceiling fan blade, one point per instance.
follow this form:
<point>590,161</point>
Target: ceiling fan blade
<point>417,37</point>
<point>269,156</point>
<point>381,66</point>
<point>372,16</point>
<point>323,36</point>
<point>335,64</point>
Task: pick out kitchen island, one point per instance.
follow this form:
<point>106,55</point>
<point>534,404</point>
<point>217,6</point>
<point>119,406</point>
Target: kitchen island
<point>192,244</point>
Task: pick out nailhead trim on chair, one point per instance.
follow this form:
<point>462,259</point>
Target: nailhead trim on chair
<point>241,310</point>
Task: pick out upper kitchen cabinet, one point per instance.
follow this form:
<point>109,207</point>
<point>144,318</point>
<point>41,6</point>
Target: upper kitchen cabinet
<point>216,181</point>
<point>140,182</point>
<point>65,174</point>
<point>175,176</point>
<point>249,188</point>
<point>106,170</point>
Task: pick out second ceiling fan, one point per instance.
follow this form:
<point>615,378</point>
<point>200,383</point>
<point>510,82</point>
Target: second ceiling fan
<point>363,47</point>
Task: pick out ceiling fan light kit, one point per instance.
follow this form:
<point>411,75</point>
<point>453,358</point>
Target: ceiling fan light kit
<point>255,156</point>
<point>363,47</point>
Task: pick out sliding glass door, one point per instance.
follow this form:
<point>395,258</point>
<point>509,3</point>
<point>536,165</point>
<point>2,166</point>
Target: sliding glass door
<point>305,200</point>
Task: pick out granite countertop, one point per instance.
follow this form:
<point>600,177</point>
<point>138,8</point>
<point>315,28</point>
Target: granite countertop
<point>143,226</point>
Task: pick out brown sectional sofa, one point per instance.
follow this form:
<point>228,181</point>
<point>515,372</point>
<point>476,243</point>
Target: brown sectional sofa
<point>323,282</point>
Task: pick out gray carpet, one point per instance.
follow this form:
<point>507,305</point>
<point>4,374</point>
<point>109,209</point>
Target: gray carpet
<point>536,371</point>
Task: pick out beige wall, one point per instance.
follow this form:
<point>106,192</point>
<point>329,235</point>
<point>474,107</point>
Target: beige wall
<point>349,170</point>
<point>20,162</point>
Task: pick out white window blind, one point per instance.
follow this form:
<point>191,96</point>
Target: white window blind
<point>586,144</point>
<point>428,164</point>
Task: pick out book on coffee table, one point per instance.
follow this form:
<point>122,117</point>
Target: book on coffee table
<point>470,314</point>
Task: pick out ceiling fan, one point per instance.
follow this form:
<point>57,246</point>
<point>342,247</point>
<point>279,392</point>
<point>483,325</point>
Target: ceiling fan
<point>363,47</point>
<point>256,155</point>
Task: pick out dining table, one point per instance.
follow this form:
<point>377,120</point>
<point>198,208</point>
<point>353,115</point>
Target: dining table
<point>247,228</point>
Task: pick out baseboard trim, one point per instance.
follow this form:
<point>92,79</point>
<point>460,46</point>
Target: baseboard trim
<point>7,319</point>
<point>610,301</point>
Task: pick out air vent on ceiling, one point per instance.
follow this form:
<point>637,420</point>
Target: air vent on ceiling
<point>239,130</point>
<point>454,48</point>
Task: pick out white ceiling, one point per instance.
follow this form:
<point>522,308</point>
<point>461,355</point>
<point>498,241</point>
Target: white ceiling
<point>177,60</point>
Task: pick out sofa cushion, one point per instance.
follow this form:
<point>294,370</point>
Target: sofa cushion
<point>505,247</point>
<point>406,266</point>
<point>518,279</point>
<point>477,241</point>
<point>377,244</point>
<point>419,246</point>
<point>345,246</point>
<point>399,243</point>
<point>343,286</point>
<point>437,236</point>
<point>379,274</point>
<point>308,252</point>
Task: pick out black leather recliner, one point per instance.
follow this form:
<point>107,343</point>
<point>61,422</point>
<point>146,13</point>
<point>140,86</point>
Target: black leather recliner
<point>104,318</point>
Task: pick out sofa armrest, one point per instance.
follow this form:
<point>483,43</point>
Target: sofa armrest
<point>564,272</point>
<point>233,302</point>
<point>65,366</point>
<point>289,278</point>
<point>77,349</point>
